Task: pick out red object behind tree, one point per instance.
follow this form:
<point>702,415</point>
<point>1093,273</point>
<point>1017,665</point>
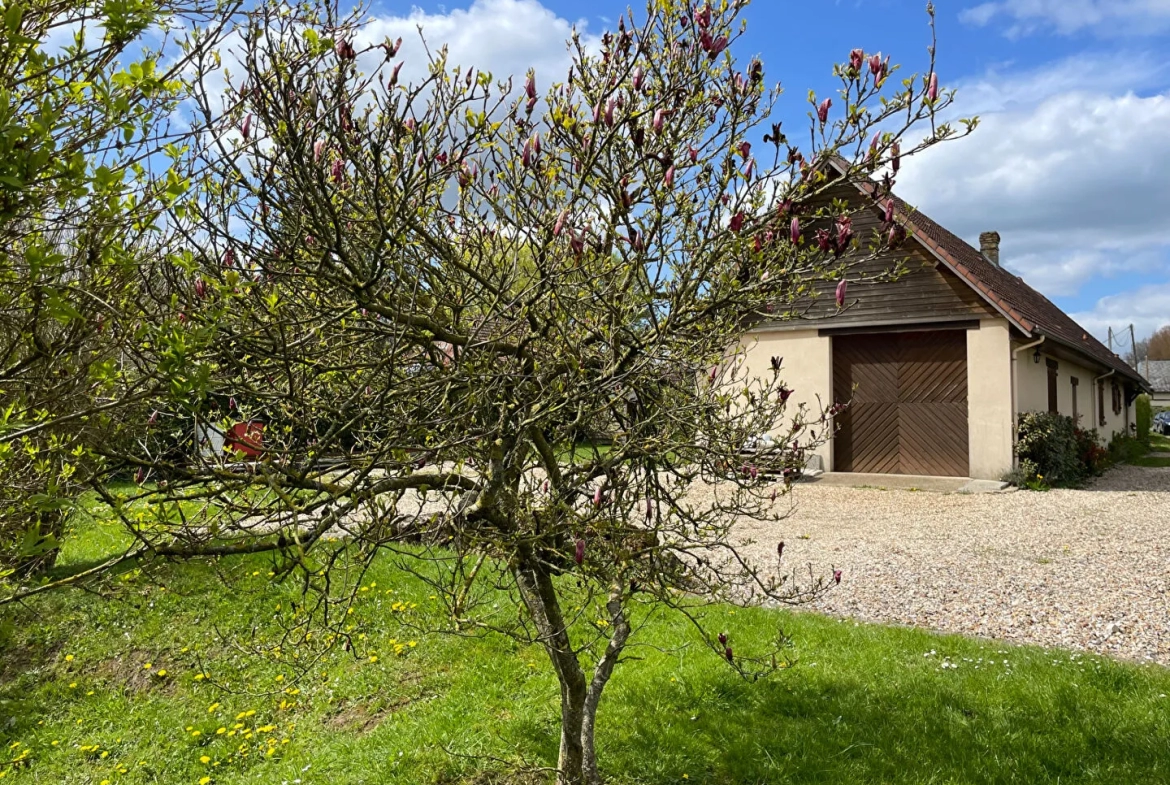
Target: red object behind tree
<point>247,438</point>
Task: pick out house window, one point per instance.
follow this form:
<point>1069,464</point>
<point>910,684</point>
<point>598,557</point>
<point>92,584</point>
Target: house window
<point>1075,382</point>
<point>1101,402</point>
<point>1052,403</point>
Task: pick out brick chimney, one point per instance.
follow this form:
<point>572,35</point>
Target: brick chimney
<point>989,245</point>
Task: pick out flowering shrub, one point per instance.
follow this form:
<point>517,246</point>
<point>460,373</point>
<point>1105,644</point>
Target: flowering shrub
<point>1052,451</point>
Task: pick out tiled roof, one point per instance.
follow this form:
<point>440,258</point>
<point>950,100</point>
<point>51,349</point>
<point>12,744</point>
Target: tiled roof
<point>1158,373</point>
<point>1031,311</point>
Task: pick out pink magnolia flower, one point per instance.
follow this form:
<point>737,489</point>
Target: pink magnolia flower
<point>794,230</point>
<point>559,226</point>
<point>609,107</point>
<point>723,639</point>
<point>668,178</point>
<point>597,496</point>
<point>140,475</point>
<point>638,78</point>
<point>409,124</point>
<point>736,224</point>
<point>153,418</point>
<point>318,149</point>
<point>229,257</point>
<point>779,545</point>
<point>896,157</point>
<point>200,288</point>
<point>823,110</point>
<point>530,85</point>
<point>856,58</point>
<point>875,64</point>
<point>246,128</point>
<point>338,170</point>
<point>836,576</point>
<point>777,362</point>
<point>345,50</point>
<point>785,394</point>
<point>579,551</point>
<point>745,149</point>
<point>841,289</point>
<point>749,169</point>
<point>393,80</point>
<point>694,154</point>
<point>659,121</point>
<point>703,17</point>
<point>727,653</point>
<point>932,90</point>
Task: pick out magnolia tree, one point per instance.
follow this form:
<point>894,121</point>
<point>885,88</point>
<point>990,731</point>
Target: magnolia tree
<point>430,293</point>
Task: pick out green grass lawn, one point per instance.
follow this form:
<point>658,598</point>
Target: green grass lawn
<point>159,682</point>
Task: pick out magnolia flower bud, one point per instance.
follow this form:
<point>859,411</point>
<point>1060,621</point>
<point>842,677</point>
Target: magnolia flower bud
<point>153,418</point>
<point>794,230</point>
<point>393,80</point>
<point>338,170</point>
<point>896,157</point>
<point>737,222</point>
<point>856,58</point>
<point>745,149</point>
<point>659,121</point>
<point>140,475</point>
<point>200,288</point>
<point>246,128</point>
<point>694,154</point>
<point>597,496</point>
<point>875,64</point>
<point>668,178</point>
<point>779,545</point>
<point>409,124</point>
<point>836,576</point>
<point>318,149</point>
<point>579,551</point>
<point>723,639</point>
<point>823,110</point>
<point>344,50</point>
<point>889,214</point>
<point>785,394</point>
<point>559,226</point>
<point>777,362</point>
<point>530,85</point>
<point>638,78</point>
<point>229,257</point>
<point>841,288</point>
<point>932,89</point>
<point>727,653</point>
<point>544,486</point>
<point>749,169</point>
<point>714,372</point>
<point>649,509</point>
<point>609,107</point>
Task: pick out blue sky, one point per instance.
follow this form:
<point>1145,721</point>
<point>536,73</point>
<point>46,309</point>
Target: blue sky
<point>1071,163</point>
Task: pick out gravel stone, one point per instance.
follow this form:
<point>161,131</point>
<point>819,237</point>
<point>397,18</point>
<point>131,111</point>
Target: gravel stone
<point>1079,569</point>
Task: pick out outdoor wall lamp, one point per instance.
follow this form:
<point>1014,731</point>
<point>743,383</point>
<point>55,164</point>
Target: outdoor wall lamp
<point>1036,356</point>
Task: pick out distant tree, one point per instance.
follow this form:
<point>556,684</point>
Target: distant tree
<point>1138,353</point>
<point>427,289</point>
<point>1158,344</point>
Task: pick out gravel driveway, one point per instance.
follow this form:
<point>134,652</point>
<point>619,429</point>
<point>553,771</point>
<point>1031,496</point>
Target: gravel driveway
<point>1086,569</point>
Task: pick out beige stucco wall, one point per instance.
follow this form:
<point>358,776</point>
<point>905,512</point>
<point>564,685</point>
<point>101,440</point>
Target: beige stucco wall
<point>990,416</point>
<point>1032,393</point>
<point>808,370</point>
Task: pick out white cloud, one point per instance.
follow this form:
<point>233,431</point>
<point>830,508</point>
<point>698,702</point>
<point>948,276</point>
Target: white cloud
<point>1074,181</point>
<point>1146,308</point>
<point>1102,17</point>
<point>503,37</point>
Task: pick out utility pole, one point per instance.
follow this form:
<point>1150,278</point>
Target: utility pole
<point>1133,346</point>
<point>1110,338</point>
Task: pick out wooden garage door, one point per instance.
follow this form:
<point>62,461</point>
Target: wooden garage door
<point>909,410</point>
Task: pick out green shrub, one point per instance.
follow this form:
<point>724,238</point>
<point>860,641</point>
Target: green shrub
<point>1145,418</point>
<point>1049,451</point>
<point>1126,449</point>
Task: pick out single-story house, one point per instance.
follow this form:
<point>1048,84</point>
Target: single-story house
<point>1158,373</point>
<point>937,362</point>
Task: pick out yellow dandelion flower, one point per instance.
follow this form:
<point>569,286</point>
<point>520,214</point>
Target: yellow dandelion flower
<point>200,676</point>
<point>162,672</point>
<point>73,685</point>
<point>212,707</point>
<point>373,658</point>
<point>105,754</point>
<point>412,644</point>
<point>147,666</point>
<point>89,693</point>
<point>204,780</point>
<point>54,742</point>
<point>204,759</point>
<point>68,658</point>
<point>220,731</point>
<point>196,734</point>
<point>280,677</point>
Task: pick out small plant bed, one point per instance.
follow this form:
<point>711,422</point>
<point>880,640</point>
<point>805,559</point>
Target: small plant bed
<point>185,675</point>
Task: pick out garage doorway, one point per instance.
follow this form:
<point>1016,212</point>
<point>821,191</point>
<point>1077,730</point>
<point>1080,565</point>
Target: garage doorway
<point>909,410</point>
